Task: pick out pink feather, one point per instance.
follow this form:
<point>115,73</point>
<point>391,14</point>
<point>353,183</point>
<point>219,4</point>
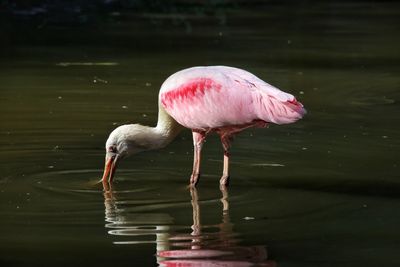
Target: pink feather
<point>206,98</point>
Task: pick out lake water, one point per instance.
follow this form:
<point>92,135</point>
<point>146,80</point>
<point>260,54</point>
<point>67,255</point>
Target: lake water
<point>321,192</point>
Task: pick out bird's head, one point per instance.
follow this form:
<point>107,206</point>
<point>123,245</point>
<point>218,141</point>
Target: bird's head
<point>123,142</point>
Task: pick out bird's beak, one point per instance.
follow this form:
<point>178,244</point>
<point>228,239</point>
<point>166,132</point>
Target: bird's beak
<point>110,167</point>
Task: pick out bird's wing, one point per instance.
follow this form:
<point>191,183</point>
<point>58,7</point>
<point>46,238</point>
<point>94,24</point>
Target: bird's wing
<point>212,97</point>
<point>203,98</point>
<point>250,80</point>
<point>269,103</point>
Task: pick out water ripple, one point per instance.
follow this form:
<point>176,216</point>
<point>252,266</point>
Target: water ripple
<point>204,244</point>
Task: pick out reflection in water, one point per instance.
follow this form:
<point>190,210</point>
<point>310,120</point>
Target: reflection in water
<point>197,245</point>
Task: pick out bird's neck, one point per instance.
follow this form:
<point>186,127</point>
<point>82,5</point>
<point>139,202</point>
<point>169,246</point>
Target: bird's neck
<point>167,128</point>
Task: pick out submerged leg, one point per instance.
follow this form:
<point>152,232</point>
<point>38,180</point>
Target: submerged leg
<point>198,140</point>
<point>196,227</point>
<point>226,143</point>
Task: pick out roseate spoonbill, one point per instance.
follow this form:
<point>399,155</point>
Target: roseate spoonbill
<point>219,99</point>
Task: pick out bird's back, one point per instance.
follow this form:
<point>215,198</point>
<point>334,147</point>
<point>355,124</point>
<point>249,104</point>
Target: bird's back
<point>219,96</point>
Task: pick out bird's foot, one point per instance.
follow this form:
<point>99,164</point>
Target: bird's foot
<point>224,181</point>
<point>194,179</point>
<point>191,186</point>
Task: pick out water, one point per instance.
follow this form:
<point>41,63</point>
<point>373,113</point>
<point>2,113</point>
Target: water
<point>321,192</point>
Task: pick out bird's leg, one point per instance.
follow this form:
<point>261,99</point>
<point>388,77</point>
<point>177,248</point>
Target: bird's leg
<point>226,143</point>
<point>224,200</point>
<point>198,140</point>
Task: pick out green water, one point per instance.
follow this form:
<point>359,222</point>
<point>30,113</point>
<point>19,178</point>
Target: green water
<point>320,192</point>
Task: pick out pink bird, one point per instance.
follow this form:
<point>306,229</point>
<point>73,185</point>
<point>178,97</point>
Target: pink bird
<point>219,99</point>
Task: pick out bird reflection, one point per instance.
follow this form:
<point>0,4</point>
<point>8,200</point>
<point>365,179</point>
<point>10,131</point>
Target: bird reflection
<point>202,245</point>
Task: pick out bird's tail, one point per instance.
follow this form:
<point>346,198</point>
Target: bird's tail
<point>281,108</point>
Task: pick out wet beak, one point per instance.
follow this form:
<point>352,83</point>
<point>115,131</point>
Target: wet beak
<point>110,167</point>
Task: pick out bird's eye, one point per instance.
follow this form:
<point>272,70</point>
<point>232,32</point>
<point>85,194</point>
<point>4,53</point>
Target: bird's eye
<point>112,149</point>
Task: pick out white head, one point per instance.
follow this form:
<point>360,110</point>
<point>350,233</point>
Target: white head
<point>124,141</point>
